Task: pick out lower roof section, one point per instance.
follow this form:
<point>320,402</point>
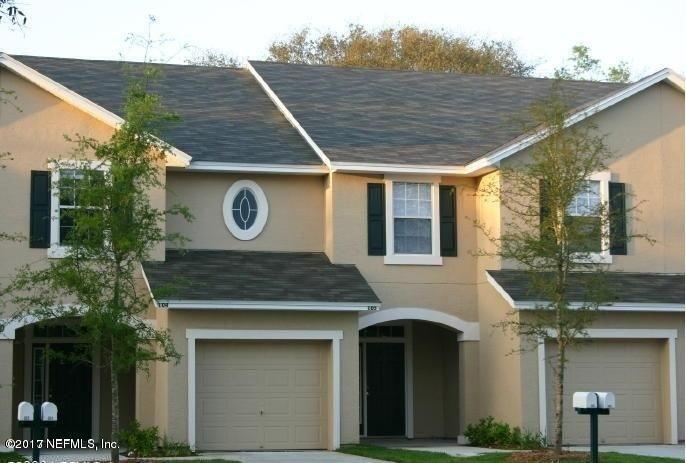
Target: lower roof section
<point>259,280</point>
<point>627,290</point>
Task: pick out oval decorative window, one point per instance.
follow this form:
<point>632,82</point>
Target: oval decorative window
<point>245,209</point>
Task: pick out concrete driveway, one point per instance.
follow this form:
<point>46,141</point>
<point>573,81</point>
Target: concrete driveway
<point>289,457</point>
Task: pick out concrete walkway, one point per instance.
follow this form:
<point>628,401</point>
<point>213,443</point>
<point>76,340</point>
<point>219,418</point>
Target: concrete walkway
<point>448,446</point>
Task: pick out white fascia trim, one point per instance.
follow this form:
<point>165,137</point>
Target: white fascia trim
<point>268,305</point>
<point>335,336</point>
<point>287,114</point>
<point>147,285</point>
<point>181,159</point>
<point>499,154</point>
<point>505,295</point>
<point>207,166</point>
<point>608,333</point>
<point>396,168</point>
<point>618,307</point>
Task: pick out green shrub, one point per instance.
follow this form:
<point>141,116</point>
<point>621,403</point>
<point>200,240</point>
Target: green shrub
<point>145,442</point>
<point>138,441</point>
<point>491,433</point>
<point>174,449</point>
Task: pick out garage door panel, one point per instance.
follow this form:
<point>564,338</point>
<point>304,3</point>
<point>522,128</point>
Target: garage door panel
<point>630,369</point>
<point>261,395</point>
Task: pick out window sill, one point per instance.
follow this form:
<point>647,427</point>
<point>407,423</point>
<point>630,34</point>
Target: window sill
<point>594,258</point>
<point>55,251</point>
<point>412,259</point>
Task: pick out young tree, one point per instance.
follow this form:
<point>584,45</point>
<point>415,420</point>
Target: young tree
<point>112,229</point>
<point>581,66</point>
<point>212,58</point>
<point>407,48</point>
<point>554,225</point>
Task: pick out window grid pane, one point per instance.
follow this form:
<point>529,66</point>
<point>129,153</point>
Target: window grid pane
<point>412,212</point>
<point>586,202</point>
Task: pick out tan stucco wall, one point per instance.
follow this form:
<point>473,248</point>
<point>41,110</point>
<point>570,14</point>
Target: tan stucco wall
<point>172,415</point>
<point>646,136</point>
<point>33,134</point>
<point>500,376</point>
<point>435,381</point>
<point>449,288</point>
<point>296,211</point>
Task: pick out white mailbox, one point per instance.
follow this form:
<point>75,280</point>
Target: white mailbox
<point>606,400</point>
<point>584,400</point>
<point>25,411</point>
<point>48,411</point>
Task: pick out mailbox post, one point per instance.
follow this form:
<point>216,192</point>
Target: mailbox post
<point>593,404</point>
<point>36,417</point>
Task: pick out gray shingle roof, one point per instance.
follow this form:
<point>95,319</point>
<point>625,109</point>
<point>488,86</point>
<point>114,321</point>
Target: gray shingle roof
<point>258,276</point>
<point>401,117</point>
<point>225,115</point>
<point>656,288</point>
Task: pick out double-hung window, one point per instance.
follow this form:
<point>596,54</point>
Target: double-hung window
<point>412,232</point>
<point>587,210</point>
<point>68,202</point>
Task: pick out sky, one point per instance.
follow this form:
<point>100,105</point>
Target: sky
<point>649,35</point>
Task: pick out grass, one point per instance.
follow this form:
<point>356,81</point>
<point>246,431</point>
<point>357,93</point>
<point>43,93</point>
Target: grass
<point>10,457</point>
<point>417,456</point>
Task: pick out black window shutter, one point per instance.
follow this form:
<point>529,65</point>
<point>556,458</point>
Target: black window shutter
<point>376,220</point>
<point>617,211</point>
<point>448,219</point>
<point>543,204</point>
<point>39,228</point>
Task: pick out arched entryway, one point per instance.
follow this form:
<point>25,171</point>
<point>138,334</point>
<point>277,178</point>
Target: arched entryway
<point>410,360</point>
<point>48,365</point>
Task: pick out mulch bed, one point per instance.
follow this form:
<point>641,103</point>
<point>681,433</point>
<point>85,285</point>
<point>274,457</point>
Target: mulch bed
<point>546,456</point>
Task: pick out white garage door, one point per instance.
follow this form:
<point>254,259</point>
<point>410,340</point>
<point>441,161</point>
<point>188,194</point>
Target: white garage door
<point>261,395</point>
<point>630,369</point>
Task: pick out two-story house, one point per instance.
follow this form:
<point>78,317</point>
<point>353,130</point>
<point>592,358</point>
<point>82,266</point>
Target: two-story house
<point>331,286</point>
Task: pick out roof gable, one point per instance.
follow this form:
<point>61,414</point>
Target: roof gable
<point>224,115</point>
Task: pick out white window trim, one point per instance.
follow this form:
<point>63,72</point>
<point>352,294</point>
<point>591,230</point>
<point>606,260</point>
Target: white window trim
<point>391,258</point>
<point>335,336</point>
<point>604,256</point>
<point>57,250</point>
<point>669,335</point>
<point>262,210</point>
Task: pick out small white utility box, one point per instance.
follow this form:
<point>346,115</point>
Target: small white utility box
<point>585,400</point>
<point>606,400</point>
<point>48,411</point>
<point>25,411</point>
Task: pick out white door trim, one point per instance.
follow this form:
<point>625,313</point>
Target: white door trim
<point>407,341</point>
<point>669,335</point>
<point>334,336</point>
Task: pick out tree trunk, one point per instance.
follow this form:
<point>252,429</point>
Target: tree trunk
<point>114,436</point>
<point>559,395</point>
